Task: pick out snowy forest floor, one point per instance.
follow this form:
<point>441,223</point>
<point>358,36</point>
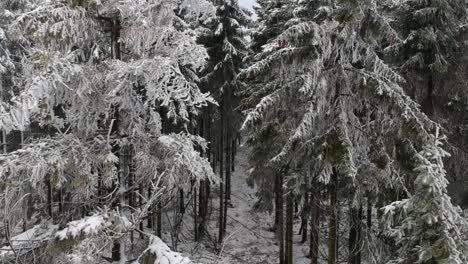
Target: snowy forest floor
<point>248,238</point>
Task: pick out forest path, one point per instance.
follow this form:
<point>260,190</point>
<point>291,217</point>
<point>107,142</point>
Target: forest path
<point>248,238</point>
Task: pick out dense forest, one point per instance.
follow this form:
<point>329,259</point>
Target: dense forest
<point>202,131</point>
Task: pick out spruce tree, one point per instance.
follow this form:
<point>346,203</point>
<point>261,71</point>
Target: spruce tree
<point>227,48</point>
<point>354,120</point>
<point>107,77</point>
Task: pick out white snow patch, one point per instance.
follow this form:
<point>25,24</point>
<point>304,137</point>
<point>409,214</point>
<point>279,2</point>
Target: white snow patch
<point>163,254</point>
<point>30,239</point>
<point>90,225</point>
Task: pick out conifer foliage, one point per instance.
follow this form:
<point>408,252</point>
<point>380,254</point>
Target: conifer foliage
<point>121,119</point>
<point>227,48</point>
<point>350,121</point>
<point>109,78</point>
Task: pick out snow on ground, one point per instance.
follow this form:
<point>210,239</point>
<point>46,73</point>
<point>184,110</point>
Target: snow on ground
<point>28,240</point>
<point>248,237</point>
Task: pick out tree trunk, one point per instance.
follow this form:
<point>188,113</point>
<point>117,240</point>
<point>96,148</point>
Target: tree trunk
<point>279,216</point>
<point>115,49</point>
<point>228,167</point>
<point>221,176</point>
<point>304,217</point>
<point>359,236</point>
<point>332,225</point>
<point>4,141</point>
<point>314,229</point>
<point>233,154</point>
<point>159,220</point>
<point>4,138</point>
<point>227,193</point>
<point>289,228</point>
<point>369,213</point>
<point>195,213</point>
<point>427,104</point>
<point>296,207</point>
<point>49,197</point>
<point>353,245</point>
<point>181,202</point>
<point>140,205</point>
<point>149,223</point>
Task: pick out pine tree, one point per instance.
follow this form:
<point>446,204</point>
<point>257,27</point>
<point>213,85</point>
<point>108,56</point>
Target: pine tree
<point>429,41</point>
<point>426,226</point>
<point>353,118</point>
<point>273,17</point>
<point>227,49</point>
<point>428,50</point>
<point>106,92</point>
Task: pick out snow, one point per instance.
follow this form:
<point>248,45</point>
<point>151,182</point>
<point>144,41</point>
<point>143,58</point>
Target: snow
<point>90,225</point>
<point>163,254</point>
<point>28,240</point>
<point>2,34</point>
<point>248,238</point>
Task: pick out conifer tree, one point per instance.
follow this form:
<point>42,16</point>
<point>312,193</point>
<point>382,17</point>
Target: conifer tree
<point>353,116</point>
<point>428,50</point>
<point>106,92</point>
<point>227,49</point>
<point>429,41</point>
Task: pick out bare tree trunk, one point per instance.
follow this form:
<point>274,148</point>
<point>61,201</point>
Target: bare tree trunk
<point>289,228</point>
<point>233,154</point>
<point>49,197</point>
<point>304,217</point>
<point>228,166</point>
<point>359,236</point>
<point>159,220</point>
<point>279,207</point>
<point>228,183</point>
<point>4,138</point>
<point>221,172</point>
<point>277,202</point>
<point>149,223</point>
<point>332,225</point>
<point>195,213</point>
<point>140,205</point>
<point>369,213</point>
<point>181,202</point>
<point>115,49</point>
<point>314,229</point>
<point>353,243</point>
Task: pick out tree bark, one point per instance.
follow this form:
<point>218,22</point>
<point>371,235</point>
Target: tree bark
<point>228,167</point>
<point>159,220</point>
<point>233,154</point>
<point>221,176</point>
<point>181,202</point>
<point>304,217</point>
<point>314,229</point>
<point>353,245</point>
<point>195,213</point>
<point>149,223</point>
<point>279,207</point>
<point>115,49</point>
<point>289,228</point>
<point>369,213</point>
<point>332,225</point>
<point>49,197</point>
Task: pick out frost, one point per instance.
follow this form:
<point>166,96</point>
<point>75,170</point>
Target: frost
<point>162,253</point>
<point>87,226</point>
<point>2,34</point>
<point>30,239</point>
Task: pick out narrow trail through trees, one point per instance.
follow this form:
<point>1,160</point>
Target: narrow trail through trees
<point>249,237</point>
